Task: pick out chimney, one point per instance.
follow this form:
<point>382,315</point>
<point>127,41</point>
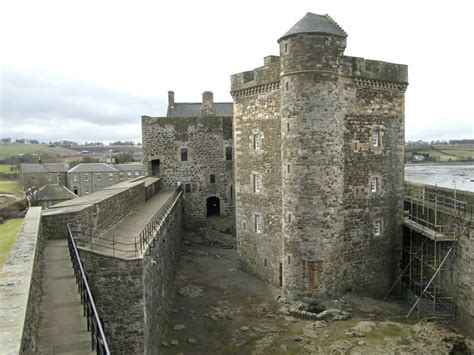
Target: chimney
<point>207,108</point>
<point>170,102</point>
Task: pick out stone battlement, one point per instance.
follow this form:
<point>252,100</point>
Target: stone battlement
<point>356,67</point>
<point>259,77</point>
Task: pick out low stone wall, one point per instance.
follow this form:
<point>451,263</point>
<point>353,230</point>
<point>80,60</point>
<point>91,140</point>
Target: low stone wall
<point>20,288</point>
<point>131,295</point>
<point>97,212</point>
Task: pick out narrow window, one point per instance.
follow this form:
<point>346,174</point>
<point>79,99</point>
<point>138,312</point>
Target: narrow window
<point>99,177</point>
<point>286,86</point>
<point>288,168</point>
<point>50,178</point>
<point>121,176</point>
<point>374,184</point>
<point>244,226</point>
<point>286,47</point>
<point>265,262</point>
<point>184,154</point>
<point>75,177</point>
<point>86,177</point>
<point>377,229</point>
<point>289,217</point>
<point>111,176</point>
<point>231,192</point>
<point>187,188</point>
<point>288,126</point>
<point>129,174</point>
<point>228,153</point>
<point>212,178</point>
<point>258,223</point>
<point>257,182</point>
<point>289,259</point>
<point>256,141</point>
<point>375,139</point>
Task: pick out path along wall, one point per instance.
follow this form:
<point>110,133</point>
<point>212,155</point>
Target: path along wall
<point>131,295</point>
<point>20,288</point>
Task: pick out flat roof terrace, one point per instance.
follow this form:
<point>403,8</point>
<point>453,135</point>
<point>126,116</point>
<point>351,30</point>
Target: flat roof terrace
<point>123,240</point>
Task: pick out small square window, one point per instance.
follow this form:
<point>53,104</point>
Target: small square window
<point>374,182</point>
<point>50,178</point>
<point>129,175</point>
<point>74,177</point>
<point>86,177</point>
<point>137,173</point>
<point>111,176</point>
<point>99,177</point>
<point>228,153</point>
<point>258,223</point>
<point>121,176</point>
<point>377,228</point>
<point>212,178</point>
<point>187,188</point>
<point>184,154</point>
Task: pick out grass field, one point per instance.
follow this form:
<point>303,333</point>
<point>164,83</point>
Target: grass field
<point>6,168</point>
<point>10,187</point>
<point>8,150</point>
<point>8,231</point>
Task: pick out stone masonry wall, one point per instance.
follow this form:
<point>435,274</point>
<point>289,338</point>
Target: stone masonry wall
<point>258,115</point>
<point>206,139</point>
<point>372,108</point>
<point>117,287</point>
<point>132,295</point>
<point>159,266</point>
<point>96,213</point>
<point>20,288</point>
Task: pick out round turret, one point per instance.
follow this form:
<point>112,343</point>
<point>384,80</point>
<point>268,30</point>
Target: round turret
<point>312,156</point>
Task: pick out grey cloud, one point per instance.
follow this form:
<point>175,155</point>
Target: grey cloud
<point>30,100</point>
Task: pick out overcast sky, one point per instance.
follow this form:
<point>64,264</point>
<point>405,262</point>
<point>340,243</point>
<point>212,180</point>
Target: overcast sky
<point>87,70</point>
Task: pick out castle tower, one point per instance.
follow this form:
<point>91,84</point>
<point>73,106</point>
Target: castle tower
<point>312,137</point>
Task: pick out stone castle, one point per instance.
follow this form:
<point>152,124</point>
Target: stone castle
<point>310,161</point>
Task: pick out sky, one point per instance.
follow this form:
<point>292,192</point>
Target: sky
<point>88,70</point>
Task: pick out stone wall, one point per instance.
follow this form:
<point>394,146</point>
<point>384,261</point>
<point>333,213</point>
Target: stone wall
<point>206,140</point>
<point>97,212</point>
<point>257,117</point>
<point>131,295</point>
<point>321,214</point>
<point>20,288</point>
<point>372,107</point>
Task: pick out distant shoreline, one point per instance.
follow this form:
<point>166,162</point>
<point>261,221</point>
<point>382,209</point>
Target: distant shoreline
<point>466,162</point>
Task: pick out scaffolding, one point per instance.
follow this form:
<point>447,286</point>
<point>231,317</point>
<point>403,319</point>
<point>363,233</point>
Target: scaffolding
<point>428,249</point>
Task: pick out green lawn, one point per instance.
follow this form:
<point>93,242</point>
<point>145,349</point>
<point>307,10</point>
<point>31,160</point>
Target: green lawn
<point>10,187</point>
<point>8,150</point>
<point>7,168</point>
<point>8,231</point>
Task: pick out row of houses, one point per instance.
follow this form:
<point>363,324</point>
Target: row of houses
<point>81,179</point>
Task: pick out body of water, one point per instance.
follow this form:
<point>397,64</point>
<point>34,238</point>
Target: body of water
<point>459,176</point>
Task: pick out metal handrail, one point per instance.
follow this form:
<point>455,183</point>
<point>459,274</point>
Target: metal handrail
<point>94,323</point>
<point>148,233</point>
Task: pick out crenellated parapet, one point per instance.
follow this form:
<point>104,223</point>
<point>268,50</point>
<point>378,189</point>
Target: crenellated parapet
<point>375,74</point>
<point>257,81</point>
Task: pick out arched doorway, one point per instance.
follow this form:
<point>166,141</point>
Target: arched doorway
<point>155,167</point>
<point>213,206</point>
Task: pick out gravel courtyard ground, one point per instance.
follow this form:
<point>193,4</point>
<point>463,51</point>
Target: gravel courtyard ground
<point>219,309</point>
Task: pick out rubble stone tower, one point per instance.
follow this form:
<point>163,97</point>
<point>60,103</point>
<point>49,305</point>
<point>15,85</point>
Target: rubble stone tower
<point>312,154</point>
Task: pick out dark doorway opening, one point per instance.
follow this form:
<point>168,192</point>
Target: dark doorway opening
<point>213,206</point>
<point>76,190</point>
<point>155,167</point>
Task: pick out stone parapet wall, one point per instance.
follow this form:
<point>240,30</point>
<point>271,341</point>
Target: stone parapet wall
<point>20,288</point>
<point>132,295</point>
<point>97,212</point>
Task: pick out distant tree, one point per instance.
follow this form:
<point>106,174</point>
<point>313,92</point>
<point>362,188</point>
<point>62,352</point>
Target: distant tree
<point>22,141</point>
<point>34,141</point>
<point>6,140</point>
<point>123,158</point>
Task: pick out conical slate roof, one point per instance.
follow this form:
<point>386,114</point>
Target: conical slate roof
<point>312,23</point>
